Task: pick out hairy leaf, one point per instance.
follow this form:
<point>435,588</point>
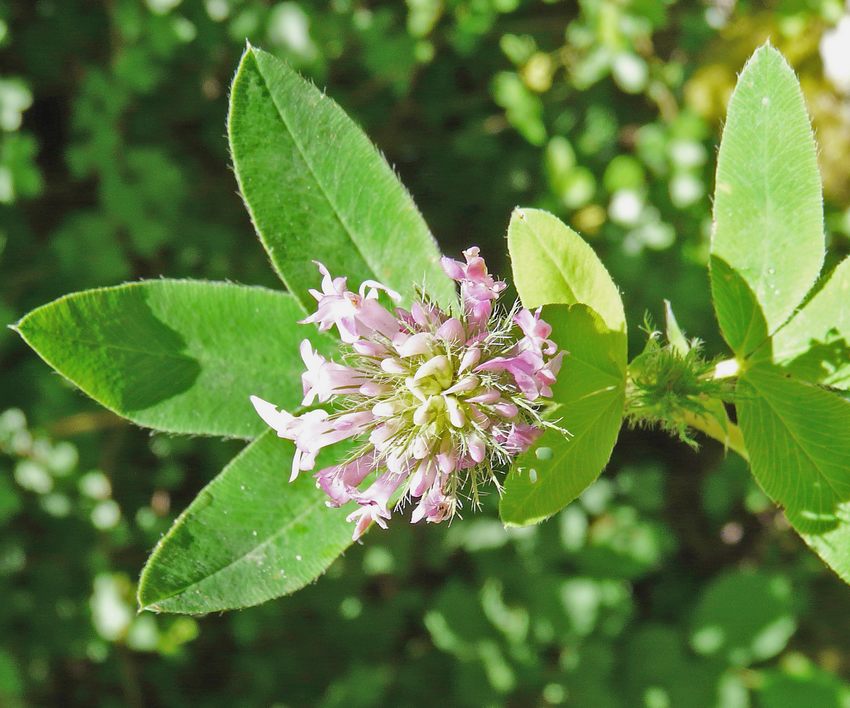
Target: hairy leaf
<point>248,537</point>
<point>317,189</point>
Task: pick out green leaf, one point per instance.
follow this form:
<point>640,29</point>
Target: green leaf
<point>248,537</point>
<point>659,671</point>
<point>590,396</point>
<point>176,355</point>
<point>317,189</point>
<point>552,264</point>
<point>744,617</point>
<point>815,344</point>
<point>802,683</point>
<point>768,244</point>
<point>627,544</point>
<point>796,435</point>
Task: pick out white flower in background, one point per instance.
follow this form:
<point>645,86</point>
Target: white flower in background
<point>835,53</point>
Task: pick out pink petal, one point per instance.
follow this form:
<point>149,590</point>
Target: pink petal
<point>452,331</point>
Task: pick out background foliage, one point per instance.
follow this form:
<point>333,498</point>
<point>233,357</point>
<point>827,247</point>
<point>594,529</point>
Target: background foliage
<point>672,581</point>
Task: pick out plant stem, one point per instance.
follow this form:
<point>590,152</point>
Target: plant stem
<point>731,437</point>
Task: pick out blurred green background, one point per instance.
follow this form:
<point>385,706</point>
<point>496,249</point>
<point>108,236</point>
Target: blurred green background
<point>672,582</point>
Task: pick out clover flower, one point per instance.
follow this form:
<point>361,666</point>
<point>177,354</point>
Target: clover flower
<point>439,401</point>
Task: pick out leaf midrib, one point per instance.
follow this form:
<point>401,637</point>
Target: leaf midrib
<point>29,324</point>
<point>107,345</point>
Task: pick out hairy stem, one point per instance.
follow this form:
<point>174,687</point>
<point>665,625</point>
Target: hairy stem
<point>730,437</point>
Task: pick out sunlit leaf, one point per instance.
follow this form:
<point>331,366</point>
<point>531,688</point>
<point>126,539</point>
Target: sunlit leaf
<point>551,263</point>
<point>590,395</point>
<point>768,244</point>
<point>815,344</point>
<point>796,435</point>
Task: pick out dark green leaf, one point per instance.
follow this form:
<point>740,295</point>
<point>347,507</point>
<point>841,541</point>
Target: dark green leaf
<point>658,671</point>
<point>744,617</point>
<point>176,355</point>
<point>248,537</point>
<point>317,189</point>
<point>802,684</point>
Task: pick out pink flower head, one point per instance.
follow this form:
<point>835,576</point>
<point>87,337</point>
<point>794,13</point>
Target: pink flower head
<point>438,403</point>
<point>341,481</point>
<point>435,506</point>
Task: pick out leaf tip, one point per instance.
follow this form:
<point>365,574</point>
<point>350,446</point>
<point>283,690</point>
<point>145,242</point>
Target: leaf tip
<point>250,52</point>
<point>523,214</point>
<point>144,601</point>
<point>23,327</point>
<point>767,52</point>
